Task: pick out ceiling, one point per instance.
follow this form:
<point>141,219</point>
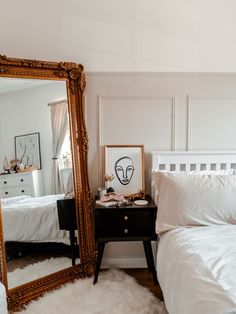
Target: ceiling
<point>9,85</point>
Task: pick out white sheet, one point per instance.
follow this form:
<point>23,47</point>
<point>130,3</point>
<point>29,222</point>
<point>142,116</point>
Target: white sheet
<point>3,299</point>
<point>33,220</point>
<point>196,270</point>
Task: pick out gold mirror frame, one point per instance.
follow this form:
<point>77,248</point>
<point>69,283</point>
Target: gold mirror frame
<point>74,77</point>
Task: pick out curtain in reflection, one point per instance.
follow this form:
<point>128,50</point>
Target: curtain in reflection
<point>60,125</point>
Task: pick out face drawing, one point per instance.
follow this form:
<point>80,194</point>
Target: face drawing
<point>124,169</point>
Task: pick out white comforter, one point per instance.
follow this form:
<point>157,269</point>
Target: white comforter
<point>3,299</point>
<point>29,219</point>
<point>196,269</point>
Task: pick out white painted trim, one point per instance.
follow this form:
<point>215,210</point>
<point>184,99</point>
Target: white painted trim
<point>101,169</point>
<point>173,124</point>
<point>143,73</point>
<point>100,117</point>
<point>192,157</point>
<point>189,124</point>
<point>100,143</point>
<point>135,262</point>
<point>190,117</point>
<point>130,262</point>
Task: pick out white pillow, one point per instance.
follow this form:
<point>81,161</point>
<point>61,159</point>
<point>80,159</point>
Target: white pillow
<point>14,199</point>
<point>187,199</point>
<point>156,183</point>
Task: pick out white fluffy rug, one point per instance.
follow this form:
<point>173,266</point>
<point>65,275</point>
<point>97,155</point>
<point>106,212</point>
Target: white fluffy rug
<point>37,270</point>
<point>115,293</point>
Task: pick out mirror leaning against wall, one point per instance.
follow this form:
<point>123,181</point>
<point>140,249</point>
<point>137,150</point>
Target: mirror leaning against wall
<point>46,234</point>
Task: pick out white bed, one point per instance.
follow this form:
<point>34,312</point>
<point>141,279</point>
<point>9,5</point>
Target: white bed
<point>29,219</point>
<point>196,263</point>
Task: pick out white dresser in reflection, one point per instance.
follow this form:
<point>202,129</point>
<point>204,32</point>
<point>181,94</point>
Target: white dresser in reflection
<point>22,183</point>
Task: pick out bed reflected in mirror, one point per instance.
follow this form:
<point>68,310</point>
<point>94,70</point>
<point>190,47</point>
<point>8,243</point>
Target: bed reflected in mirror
<point>36,179</point>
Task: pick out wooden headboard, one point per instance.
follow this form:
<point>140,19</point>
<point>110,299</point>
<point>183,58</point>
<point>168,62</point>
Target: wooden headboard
<point>192,161</point>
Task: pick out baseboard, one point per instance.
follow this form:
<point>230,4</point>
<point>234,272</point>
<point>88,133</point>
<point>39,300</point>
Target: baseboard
<point>128,262</point>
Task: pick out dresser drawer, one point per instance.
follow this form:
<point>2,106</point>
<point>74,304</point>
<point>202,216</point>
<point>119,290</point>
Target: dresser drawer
<point>15,180</point>
<point>22,183</point>
<point>17,191</point>
<point>124,223</point>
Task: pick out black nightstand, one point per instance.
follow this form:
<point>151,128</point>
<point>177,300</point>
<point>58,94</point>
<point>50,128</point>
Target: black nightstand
<point>67,221</point>
<point>126,223</point>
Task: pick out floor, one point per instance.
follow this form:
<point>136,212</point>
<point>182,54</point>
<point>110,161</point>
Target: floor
<point>144,278</point>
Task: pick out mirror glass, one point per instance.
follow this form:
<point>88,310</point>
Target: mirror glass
<point>36,178</point>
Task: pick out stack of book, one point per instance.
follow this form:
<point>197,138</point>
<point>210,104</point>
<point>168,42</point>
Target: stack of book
<point>106,204</point>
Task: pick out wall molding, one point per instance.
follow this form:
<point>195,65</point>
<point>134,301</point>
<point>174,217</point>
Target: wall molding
<point>189,124</point>
<point>159,73</point>
<point>132,262</point>
<point>190,100</point>
<point>100,144</point>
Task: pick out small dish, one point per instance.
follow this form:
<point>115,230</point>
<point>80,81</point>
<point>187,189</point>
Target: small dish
<point>141,202</point>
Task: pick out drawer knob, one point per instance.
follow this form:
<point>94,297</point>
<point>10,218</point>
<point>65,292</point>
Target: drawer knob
<point>126,231</point>
<point>126,217</point>
<point>23,191</point>
<point>21,180</point>
<point>6,192</point>
<point>5,182</point>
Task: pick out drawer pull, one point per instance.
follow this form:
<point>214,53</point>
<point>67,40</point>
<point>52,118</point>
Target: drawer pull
<point>5,182</point>
<point>23,191</point>
<point>126,231</point>
<point>21,180</point>
<point>6,192</point>
<point>126,217</point>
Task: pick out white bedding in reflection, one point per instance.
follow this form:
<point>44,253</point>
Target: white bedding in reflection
<point>3,299</point>
<point>32,219</point>
<point>196,269</point>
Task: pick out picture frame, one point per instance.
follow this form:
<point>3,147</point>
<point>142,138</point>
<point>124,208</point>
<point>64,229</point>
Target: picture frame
<point>124,165</point>
<point>27,150</point>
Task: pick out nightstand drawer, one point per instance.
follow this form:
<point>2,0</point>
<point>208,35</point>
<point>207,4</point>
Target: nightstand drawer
<point>124,223</point>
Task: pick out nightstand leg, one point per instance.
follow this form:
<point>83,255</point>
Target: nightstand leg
<point>101,246</point>
<point>147,254</point>
<point>150,262</point>
<point>73,244</point>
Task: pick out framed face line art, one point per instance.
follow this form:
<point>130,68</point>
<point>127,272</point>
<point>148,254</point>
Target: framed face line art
<point>126,164</point>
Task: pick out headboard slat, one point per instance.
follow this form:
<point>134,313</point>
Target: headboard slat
<point>188,167</point>
<point>167,167</point>
<point>177,167</point>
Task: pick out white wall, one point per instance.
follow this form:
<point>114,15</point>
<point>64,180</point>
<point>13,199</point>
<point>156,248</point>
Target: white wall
<point>24,112</point>
<point>123,35</point>
<point>163,112</point>
<point>131,36</point>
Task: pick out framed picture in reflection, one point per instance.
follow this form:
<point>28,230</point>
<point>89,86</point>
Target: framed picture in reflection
<point>124,168</point>
<point>27,150</point>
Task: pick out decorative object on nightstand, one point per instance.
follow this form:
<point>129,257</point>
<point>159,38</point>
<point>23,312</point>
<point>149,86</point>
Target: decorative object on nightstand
<point>126,223</point>
<point>125,165</point>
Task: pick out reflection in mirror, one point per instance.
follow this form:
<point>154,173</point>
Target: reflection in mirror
<point>36,176</point>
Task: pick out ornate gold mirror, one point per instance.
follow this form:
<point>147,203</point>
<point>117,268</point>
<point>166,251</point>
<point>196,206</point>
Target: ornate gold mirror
<point>43,161</point>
